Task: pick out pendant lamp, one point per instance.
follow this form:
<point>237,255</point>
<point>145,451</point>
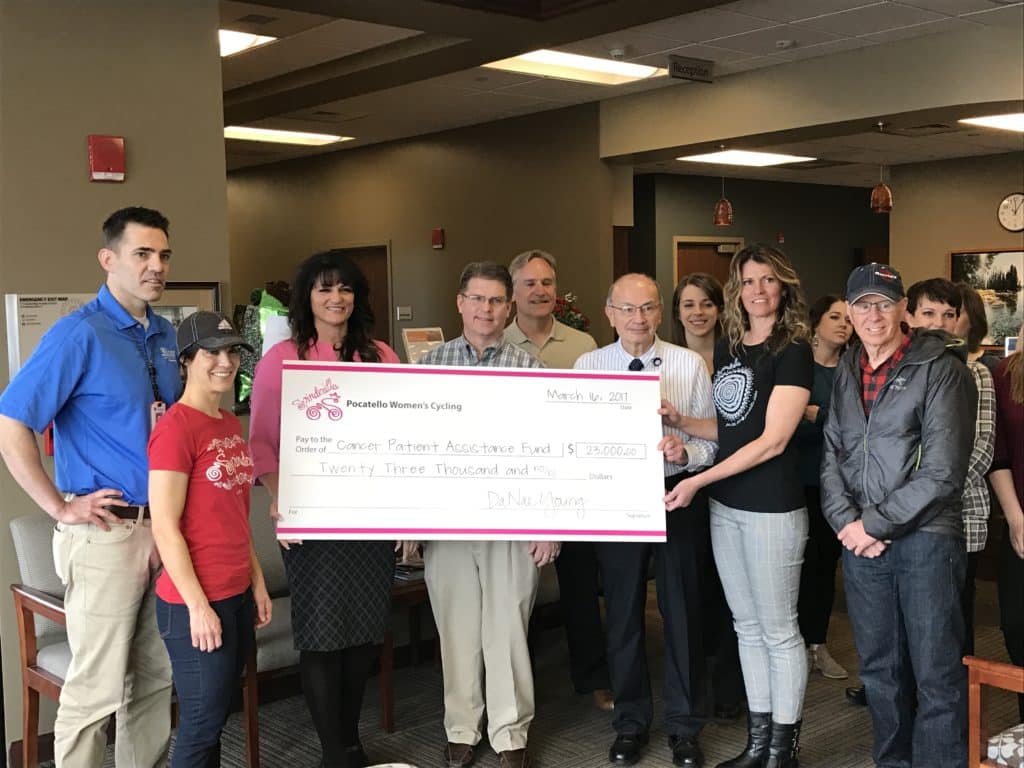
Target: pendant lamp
<point>723,209</point>
<point>881,195</point>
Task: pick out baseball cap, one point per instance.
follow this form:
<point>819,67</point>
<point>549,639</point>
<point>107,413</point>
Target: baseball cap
<point>874,278</point>
<point>210,331</point>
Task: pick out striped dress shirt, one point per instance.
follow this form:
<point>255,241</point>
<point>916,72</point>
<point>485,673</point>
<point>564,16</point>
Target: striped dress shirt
<point>684,383</point>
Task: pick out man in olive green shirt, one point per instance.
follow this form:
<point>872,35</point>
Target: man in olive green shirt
<point>535,329</point>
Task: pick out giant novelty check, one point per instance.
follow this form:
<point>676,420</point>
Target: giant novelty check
<point>377,451</point>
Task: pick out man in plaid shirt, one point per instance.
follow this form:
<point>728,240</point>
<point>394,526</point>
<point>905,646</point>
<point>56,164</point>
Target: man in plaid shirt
<point>895,459</point>
<point>482,592</point>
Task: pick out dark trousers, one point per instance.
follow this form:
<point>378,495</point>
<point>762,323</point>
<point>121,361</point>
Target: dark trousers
<point>677,569</point>
<point>908,626</point>
<point>724,672</point>
<point>1011,605</point>
<point>967,601</point>
<point>205,681</point>
<point>578,594</point>
<point>818,577</point>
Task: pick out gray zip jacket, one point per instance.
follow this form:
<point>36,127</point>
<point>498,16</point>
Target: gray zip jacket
<point>901,469</point>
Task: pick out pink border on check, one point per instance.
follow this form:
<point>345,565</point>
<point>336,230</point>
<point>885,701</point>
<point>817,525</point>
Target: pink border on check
<point>474,531</point>
<point>448,370</point>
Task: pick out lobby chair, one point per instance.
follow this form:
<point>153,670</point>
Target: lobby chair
<point>1005,749</point>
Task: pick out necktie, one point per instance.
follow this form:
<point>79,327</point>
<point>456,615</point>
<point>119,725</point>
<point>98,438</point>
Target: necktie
<point>636,365</point>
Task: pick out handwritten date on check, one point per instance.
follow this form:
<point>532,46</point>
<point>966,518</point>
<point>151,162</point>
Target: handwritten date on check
<point>428,452</point>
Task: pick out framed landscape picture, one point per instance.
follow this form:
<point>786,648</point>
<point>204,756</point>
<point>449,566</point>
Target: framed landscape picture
<point>997,276</point>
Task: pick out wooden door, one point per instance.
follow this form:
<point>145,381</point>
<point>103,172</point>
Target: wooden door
<point>702,257</point>
<point>373,260</point>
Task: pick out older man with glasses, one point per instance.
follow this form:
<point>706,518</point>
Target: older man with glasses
<point>634,310</point>
<point>897,444</point>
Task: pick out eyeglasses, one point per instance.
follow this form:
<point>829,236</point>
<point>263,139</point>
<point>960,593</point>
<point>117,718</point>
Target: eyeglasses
<point>495,302</point>
<point>643,309</point>
<point>864,307</point>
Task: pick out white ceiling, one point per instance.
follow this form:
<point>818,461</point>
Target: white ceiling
<point>737,36</point>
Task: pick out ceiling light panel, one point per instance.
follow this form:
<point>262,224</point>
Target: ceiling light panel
<point>571,66</point>
<point>232,42</point>
<point>269,135</point>
<point>1012,122</point>
<point>745,157</point>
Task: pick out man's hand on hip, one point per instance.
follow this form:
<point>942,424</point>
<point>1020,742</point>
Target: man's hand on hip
<point>92,508</point>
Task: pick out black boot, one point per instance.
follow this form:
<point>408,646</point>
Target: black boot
<point>784,746</point>
<point>759,734</point>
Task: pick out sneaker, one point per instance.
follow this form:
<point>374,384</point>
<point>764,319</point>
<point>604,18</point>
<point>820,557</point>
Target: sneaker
<point>821,660</point>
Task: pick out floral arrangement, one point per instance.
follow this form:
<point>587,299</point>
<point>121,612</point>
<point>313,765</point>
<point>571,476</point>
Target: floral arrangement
<point>566,312</point>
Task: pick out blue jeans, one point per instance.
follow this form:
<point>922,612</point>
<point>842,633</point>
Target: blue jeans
<point>908,627</point>
<point>205,681</point>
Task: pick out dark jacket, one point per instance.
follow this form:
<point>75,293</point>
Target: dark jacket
<point>901,470</point>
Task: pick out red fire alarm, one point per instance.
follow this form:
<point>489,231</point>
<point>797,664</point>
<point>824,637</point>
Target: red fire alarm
<point>437,238</point>
<point>106,158</point>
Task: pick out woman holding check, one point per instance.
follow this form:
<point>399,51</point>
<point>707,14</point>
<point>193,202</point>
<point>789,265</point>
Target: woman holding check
<point>211,594</point>
<point>341,590</point>
<point>762,384</point>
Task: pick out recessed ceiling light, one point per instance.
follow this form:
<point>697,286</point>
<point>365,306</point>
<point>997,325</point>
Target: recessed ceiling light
<point>232,42</point>
<point>744,157</point>
<point>1013,122</point>
<point>570,66</point>
<point>247,133</point>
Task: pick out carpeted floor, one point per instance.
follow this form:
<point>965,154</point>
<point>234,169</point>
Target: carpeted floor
<point>569,732</point>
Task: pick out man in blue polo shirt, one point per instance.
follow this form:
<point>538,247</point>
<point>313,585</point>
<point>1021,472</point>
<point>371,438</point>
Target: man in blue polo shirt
<point>103,375</point>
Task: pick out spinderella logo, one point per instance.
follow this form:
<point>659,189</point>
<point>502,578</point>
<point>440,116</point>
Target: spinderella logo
<point>323,399</point>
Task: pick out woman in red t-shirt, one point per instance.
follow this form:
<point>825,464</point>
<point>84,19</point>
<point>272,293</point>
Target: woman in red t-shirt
<point>211,594</point>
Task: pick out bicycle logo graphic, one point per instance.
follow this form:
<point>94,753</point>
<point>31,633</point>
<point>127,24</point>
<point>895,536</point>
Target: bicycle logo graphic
<point>329,404</point>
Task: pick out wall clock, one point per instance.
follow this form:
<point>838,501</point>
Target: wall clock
<point>1011,212</point>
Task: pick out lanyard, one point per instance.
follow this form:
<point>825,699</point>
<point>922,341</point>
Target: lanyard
<point>150,368</point>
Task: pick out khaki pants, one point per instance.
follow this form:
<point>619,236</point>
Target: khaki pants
<point>482,594</point>
<point>118,661</point>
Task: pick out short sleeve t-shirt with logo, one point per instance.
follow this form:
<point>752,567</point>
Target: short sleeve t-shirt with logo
<point>215,521</point>
<point>742,386</point>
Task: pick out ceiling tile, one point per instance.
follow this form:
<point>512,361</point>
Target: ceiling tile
<point>560,90</point>
<point>481,79</point>
<point>747,64</point>
<point>950,7</point>
<point>702,26</point>
<point>918,30</point>
<point>873,18</point>
<point>764,41</point>
<point>794,10</point>
<point>1010,17</point>
<point>824,49</point>
<point>696,51</point>
<point>307,48</point>
<point>284,22</point>
<point>634,45</point>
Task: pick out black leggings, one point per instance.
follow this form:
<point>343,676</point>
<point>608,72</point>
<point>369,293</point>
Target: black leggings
<point>333,683</point>
<point>1011,600</point>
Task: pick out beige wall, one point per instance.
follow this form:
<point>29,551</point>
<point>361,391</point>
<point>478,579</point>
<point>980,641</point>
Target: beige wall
<point>143,70</point>
<point>950,206</point>
<point>497,189</point>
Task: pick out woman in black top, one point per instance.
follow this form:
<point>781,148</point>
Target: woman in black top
<point>831,331</point>
<point>762,385</point>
